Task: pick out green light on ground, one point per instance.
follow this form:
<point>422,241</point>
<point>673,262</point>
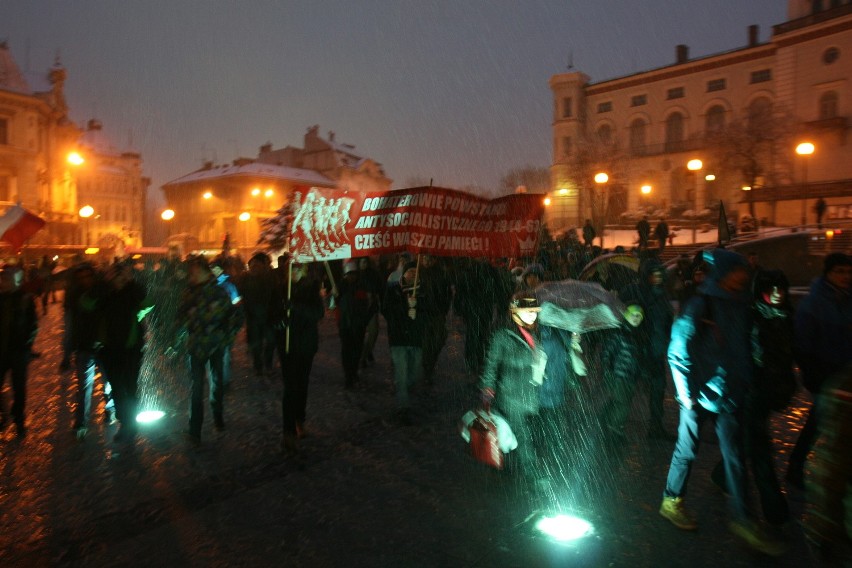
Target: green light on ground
<point>148,416</point>
<point>564,528</point>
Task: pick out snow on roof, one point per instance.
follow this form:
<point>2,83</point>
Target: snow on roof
<point>256,169</point>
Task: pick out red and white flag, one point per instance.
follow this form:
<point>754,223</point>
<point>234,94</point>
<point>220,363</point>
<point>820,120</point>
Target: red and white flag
<point>17,225</point>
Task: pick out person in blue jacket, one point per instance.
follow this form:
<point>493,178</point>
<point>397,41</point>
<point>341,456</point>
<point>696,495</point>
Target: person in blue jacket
<point>710,355</point>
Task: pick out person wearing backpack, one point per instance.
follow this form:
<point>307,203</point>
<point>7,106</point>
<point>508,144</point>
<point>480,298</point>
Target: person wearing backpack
<point>710,355</point>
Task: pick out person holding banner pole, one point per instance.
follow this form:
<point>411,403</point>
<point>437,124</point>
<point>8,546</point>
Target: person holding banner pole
<point>304,309</point>
<point>355,301</point>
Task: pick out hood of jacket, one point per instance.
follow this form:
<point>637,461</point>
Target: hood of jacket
<point>722,262</point>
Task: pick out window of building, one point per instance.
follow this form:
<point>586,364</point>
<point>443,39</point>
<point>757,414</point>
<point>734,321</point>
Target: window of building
<point>761,76</point>
<point>567,107</point>
<point>714,120</point>
<point>605,107</point>
<point>674,132</point>
<point>828,105</point>
<point>638,129</point>
<point>830,55</point>
<point>759,113</point>
<point>674,93</point>
<point>4,131</point>
<point>566,146</point>
<point>716,85</point>
<point>639,100</point>
<point>605,134</point>
<point>5,185</point>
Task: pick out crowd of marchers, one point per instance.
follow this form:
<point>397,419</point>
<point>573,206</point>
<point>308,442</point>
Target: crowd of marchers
<point>718,328</point>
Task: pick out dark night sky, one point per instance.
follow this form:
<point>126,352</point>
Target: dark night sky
<point>451,90</point>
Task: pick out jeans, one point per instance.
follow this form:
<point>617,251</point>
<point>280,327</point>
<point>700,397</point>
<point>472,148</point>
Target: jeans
<point>122,366</point>
<point>407,366</point>
<point>686,448</point>
<point>198,369</point>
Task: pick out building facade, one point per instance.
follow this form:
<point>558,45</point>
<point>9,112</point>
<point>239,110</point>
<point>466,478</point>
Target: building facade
<point>54,168</point>
<point>234,200</point>
<point>679,139</point>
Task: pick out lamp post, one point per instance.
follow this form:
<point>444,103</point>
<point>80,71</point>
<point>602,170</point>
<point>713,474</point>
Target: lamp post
<point>167,215</point>
<point>244,217</point>
<point>86,211</point>
<point>805,149</point>
<point>601,178</point>
<point>694,166</point>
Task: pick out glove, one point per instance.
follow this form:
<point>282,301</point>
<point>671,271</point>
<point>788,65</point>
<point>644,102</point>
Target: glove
<point>412,313</point>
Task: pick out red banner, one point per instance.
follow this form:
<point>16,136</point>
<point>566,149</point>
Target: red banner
<point>329,224</point>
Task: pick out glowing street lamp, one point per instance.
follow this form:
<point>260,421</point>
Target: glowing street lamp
<point>694,165</point>
<point>207,194</point>
<point>255,192</point>
<point>75,159</point>
<point>645,189</point>
<point>244,217</point>
<point>546,201</point>
<point>267,193</point>
<point>710,177</point>
<point>86,211</point>
<point>167,215</point>
<point>805,149</point>
<point>601,177</point>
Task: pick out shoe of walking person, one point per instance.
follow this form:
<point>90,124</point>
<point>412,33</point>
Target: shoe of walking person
<point>756,539</point>
<point>672,509</point>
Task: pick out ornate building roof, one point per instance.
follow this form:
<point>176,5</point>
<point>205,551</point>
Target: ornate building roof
<point>11,78</point>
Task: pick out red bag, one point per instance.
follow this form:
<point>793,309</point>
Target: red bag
<point>483,442</point>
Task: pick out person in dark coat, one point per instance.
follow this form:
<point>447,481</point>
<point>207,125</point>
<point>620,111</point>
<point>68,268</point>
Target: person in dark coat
<point>260,293</point>
<point>643,229</point>
<point>589,233</point>
<point>620,352</point>
<point>401,309</point>
<point>477,295</point>
<point>710,355</point>
<point>356,304</point>
<point>512,377</point>
<point>296,349</point>
<point>823,335</point>
<point>121,338</point>
<point>434,298</point>
<point>773,389</point>
<point>18,329</point>
<point>661,233</point>
<point>654,332</point>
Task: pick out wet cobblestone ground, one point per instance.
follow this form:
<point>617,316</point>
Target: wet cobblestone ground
<point>364,492</point>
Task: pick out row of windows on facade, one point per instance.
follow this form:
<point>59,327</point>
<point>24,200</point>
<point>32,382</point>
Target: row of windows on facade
<point>714,121</point>
<point>109,185</point>
<point>673,93</point>
<point>107,214</point>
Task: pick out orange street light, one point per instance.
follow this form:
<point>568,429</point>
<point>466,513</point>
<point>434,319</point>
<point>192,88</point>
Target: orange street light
<point>710,177</point>
<point>85,212</point>
<point>207,194</point>
<point>694,165</point>
<point>244,216</point>
<point>255,192</point>
<point>601,177</point>
<point>805,149</point>
<point>546,201</point>
<point>267,193</point>
<point>645,189</point>
<point>75,159</point>
<point>167,215</point>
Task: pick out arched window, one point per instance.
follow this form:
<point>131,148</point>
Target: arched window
<point>637,137</point>
<point>828,105</point>
<point>674,132</point>
<point>759,113</point>
<point>605,134</point>
<point>714,120</point>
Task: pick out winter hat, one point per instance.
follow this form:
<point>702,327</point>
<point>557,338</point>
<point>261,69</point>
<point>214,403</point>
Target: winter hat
<point>834,260</point>
<point>350,266</point>
<point>524,301</point>
<point>723,262</point>
<point>766,280</point>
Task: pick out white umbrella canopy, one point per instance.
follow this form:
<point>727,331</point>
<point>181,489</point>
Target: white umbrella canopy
<point>578,306</point>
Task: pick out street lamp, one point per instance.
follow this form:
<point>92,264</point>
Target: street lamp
<point>86,211</point>
<point>805,149</point>
<point>601,178</point>
<point>75,159</point>
<point>645,189</point>
<point>167,215</point>
<point>244,217</point>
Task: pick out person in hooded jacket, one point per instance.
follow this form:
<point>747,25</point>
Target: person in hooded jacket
<point>512,377</point>
<point>620,351</point>
<point>654,332</point>
<point>356,303</point>
<point>774,387</point>
<point>823,335</point>
<point>18,328</point>
<point>710,356</point>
